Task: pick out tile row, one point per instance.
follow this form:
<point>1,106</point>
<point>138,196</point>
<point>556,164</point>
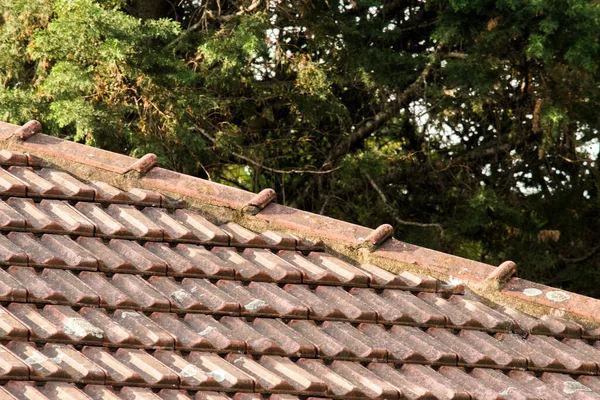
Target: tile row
<point>296,338</point>
<point>128,221</point>
<point>167,369</point>
<point>48,183</point>
<point>189,260</point>
<point>297,301</point>
<point>53,390</point>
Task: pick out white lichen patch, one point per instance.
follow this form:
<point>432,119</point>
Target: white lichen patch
<point>507,391</point>
<point>532,292</point>
<point>557,296</point>
<point>36,358</point>
<point>129,314</point>
<point>218,375</point>
<point>181,296</point>
<point>206,330</point>
<point>189,371</point>
<point>570,387</point>
<point>255,305</point>
<point>80,328</point>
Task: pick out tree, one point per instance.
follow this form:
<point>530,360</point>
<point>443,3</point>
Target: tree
<point>469,125</point>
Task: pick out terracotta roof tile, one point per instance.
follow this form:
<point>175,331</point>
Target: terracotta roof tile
<point>123,292</point>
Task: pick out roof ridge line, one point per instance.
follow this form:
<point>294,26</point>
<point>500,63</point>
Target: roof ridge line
<point>344,239</point>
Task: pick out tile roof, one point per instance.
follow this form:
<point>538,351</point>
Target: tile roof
<point>122,280</point>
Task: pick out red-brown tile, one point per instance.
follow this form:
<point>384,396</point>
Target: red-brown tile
<point>455,316</point>
<point>38,289</point>
<point>80,368</point>
<point>204,263</point>
<point>491,319</point>
<point>177,265</point>
<point>356,342</point>
<point>10,253</point>
<point>101,392</point>
<point>135,222</point>
<point>336,385</point>
<point>211,296</point>
<point>145,330</point>
<point>413,351</point>
<point>240,236</point>
<point>173,230</point>
<point>416,310</point>
<point>279,240</point>
<point>143,197</point>
<point>250,304</point>
<point>190,375</point>
<point>10,219</point>
<point>116,371</point>
<point>23,390</point>
<point>244,270</point>
<point>152,371</point>
<point>569,387</point>
<point>105,193</point>
<point>13,158</point>
<point>114,333</point>
<point>40,367</point>
<point>409,388</point>
<point>292,343</point>
<point>279,269</point>
<point>178,296</point>
<point>36,185</point>
<point>106,225</point>
<point>204,230</point>
<point>71,187</point>
<point>311,273</point>
<point>301,379</point>
<point>36,220</point>
<point>109,296</point>
<point>441,387</point>
<point>37,254</point>
<point>414,338</point>
<point>40,328</point>
<point>370,384</point>
<point>108,259</point>
<point>543,354</point>
<point>10,289</point>
<point>387,313</point>
<point>265,380</point>
<point>327,346</point>
<point>501,383</point>
<point>318,308</point>
<point>185,336</point>
<point>285,304</point>
<point>172,394</point>
<point>561,327</point>
<point>226,374</point>
<point>479,389</point>
<point>141,292</point>
<point>74,290</point>
<point>73,325</point>
<point>352,307</point>
<point>348,274</point>
<point>534,385</point>
<point>256,343</point>
<point>144,261</point>
<point>588,382</point>
<point>468,355</point>
<point>63,391</point>
<point>12,328</point>
<point>72,255</point>
<point>10,185</point>
<point>381,278</point>
<point>502,356</point>
<point>72,221</point>
<point>220,337</point>
<point>11,367</point>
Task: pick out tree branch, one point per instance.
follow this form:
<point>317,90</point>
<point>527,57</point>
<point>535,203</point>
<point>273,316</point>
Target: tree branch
<point>394,212</point>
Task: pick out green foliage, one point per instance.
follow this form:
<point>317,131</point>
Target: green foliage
<point>470,125</point>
